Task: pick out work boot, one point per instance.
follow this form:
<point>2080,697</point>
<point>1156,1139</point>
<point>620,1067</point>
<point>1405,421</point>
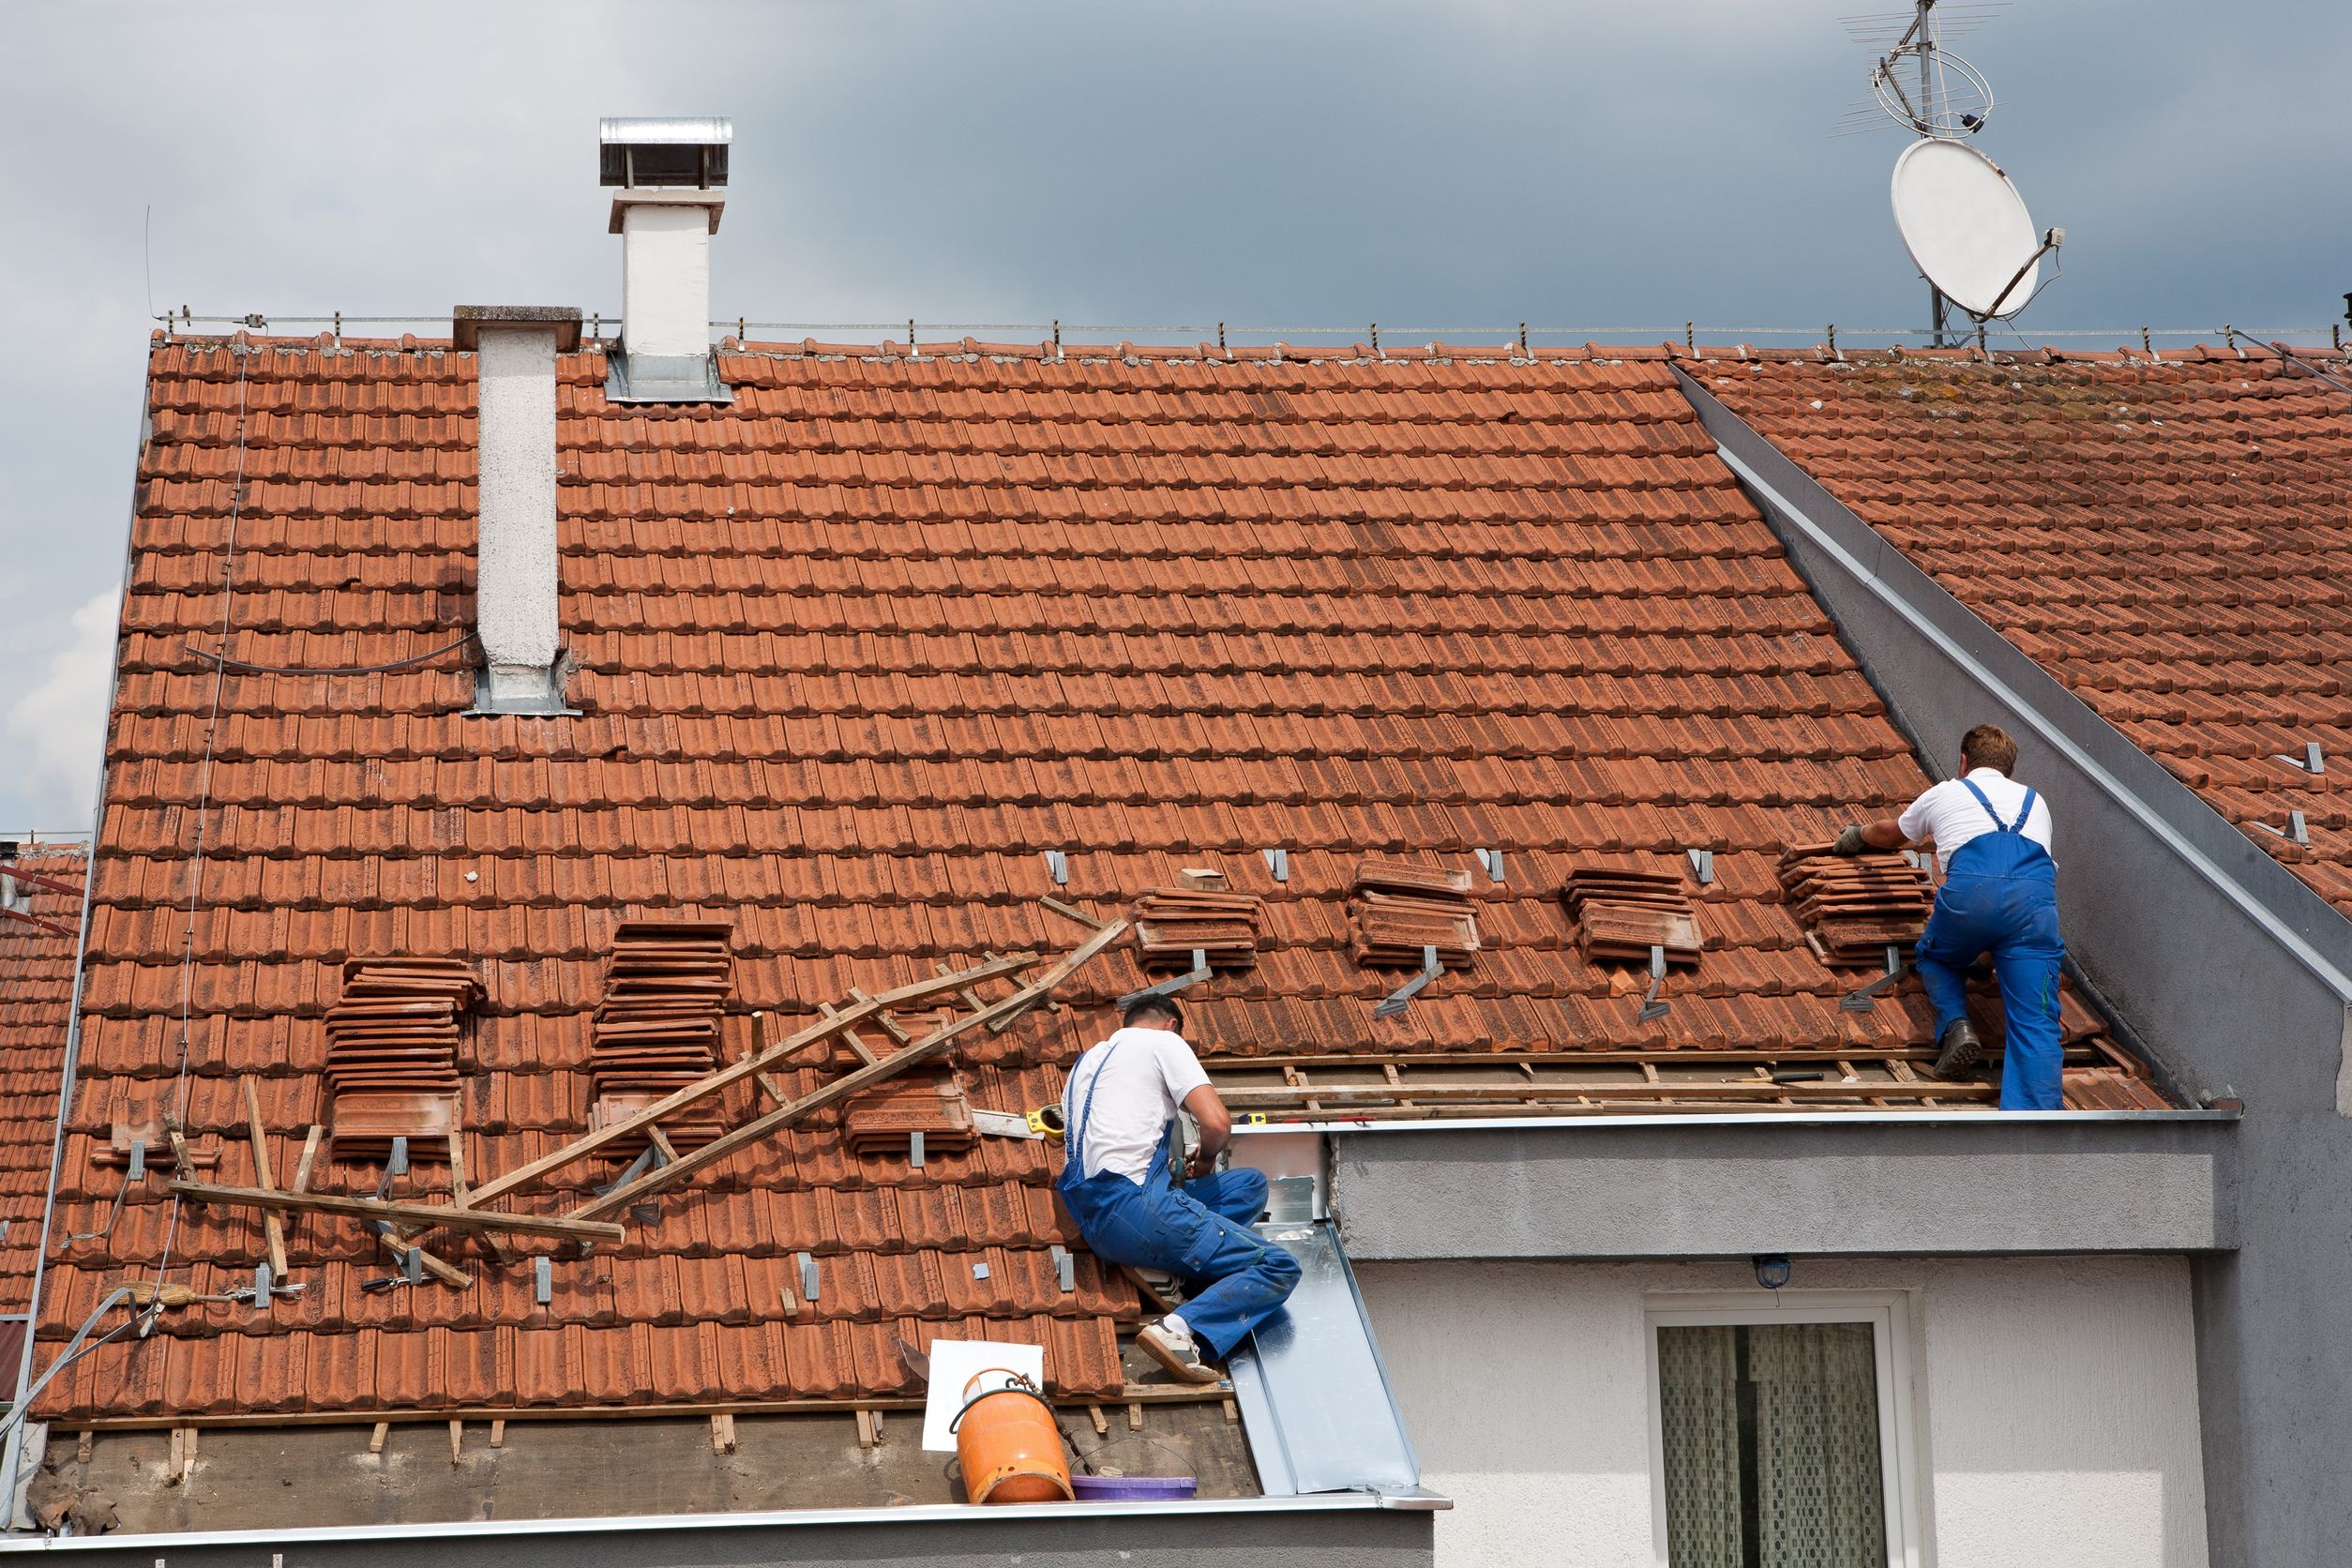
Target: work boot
<point>1173,1348</point>
<point>1961,1049</point>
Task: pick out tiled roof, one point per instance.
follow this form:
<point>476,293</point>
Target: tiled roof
<point>36,1006</point>
<point>2170,537</point>
<point>853,652</point>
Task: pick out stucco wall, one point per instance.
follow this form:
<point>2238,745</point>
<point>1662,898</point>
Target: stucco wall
<point>2055,1402</point>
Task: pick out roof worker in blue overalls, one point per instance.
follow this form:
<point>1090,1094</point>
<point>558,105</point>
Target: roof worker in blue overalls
<point>1123,1180</point>
<point>1999,895</point>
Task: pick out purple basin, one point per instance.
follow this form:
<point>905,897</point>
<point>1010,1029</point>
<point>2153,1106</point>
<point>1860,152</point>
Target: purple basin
<point>1132,1488</point>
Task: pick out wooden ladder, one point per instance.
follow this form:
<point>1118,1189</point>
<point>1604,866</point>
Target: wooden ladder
<point>587,1225</point>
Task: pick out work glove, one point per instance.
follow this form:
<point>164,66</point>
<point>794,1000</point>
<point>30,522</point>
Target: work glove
<point>1850,842</point>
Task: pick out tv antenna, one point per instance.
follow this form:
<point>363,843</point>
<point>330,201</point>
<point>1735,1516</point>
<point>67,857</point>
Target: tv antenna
<point>1962,220</point>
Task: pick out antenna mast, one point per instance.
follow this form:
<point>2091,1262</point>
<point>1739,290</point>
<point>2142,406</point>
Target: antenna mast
<point>1923,29</point>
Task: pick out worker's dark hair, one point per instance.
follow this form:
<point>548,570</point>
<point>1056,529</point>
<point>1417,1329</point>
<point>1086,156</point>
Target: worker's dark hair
<point>1154,1006</point>
<point>1988,745</point>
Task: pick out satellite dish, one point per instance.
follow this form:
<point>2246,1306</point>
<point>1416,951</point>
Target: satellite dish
<point>1968,228</point>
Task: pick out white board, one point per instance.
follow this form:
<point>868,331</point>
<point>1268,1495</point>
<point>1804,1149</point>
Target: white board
<point>1966,227</point>
<point>956,1363</point>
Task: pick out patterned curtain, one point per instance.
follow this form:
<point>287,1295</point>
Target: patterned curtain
<point>1819,1500</point>
<point>1699,1406</point>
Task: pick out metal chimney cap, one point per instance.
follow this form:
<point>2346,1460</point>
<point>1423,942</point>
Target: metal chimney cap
<point>681,150</point>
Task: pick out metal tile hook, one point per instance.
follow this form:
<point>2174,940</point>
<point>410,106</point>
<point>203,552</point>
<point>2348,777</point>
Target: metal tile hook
<point>1651,1006</point>
<point>1860,999</point>
<point>1199,971</point>
<point>1278,862</point>
<point>1702,866</point>
<point>1395,1002</point>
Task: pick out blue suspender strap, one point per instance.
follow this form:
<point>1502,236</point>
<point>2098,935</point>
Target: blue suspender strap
<point>1075,1126</point>
<point>2023,812</point>
<point>1969,784</point>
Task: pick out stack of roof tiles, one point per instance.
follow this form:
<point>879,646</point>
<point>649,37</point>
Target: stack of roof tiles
<point>851,651</point>
<point>1623,914</point>
<point>36,1010</point>
<point>1400,909</point>
<point>933,1104</point>
<point>1857,906</point>
<point>391,1064</point>
<point>656,1029</point>
<point>2181,560</point>
<point>1172,924</point>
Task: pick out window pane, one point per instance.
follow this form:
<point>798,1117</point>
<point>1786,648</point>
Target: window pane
<point>1770,1434</point>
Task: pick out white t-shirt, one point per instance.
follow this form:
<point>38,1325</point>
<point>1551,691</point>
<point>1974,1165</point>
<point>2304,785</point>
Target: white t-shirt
<point>1951,816</point>
<point>1144,1083</point>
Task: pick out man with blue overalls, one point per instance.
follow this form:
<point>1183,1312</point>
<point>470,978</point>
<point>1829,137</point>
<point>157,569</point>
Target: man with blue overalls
<point>1122,1181</point>
<point>1999,895</point>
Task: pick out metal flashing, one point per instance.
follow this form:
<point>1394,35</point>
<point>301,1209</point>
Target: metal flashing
<point>161,1546</point>
<point>509,689</point>
<point>1315,1397</point>
<point>650,377</point>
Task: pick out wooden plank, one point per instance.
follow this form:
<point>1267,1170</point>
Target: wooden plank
<point>1094,1413</point>
<point>726,1077</point>
<point>401,1212</point>
<point>396,1246</point>
<point>722,1433</point>
<point>1144,1393</point>
<point>848,1084</point>
<point>849,1037</point>
<point>1335,1098</point>
<point>498,1434</point>
<point>1071,912</point>
<point>310,1157</point>
<point>1701,1056</point>
<point>272,1224</point>
<point>1135,1416</point>
<point>375,1439</point>
<point>1147,1290</point>
<point>456,1443</point>
<point>458,1193</point>
<point>890,1026</point>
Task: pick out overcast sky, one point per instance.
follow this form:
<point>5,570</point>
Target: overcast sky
<point>1611,167</point>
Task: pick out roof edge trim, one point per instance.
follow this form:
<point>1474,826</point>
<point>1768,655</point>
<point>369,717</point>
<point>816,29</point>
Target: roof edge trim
<point>1748,454</point>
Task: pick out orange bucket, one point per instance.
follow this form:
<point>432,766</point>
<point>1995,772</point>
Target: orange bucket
<point>1007,1444</point>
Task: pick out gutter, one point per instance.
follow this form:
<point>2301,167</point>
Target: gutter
<point>649,1529</point>
<point>1743,1119</point>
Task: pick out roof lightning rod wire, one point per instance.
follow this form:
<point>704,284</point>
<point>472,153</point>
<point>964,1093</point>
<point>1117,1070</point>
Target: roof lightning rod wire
<point>203,789</point>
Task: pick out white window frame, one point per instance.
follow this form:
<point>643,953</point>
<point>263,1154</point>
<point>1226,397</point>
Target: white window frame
<point>1886,1311</point>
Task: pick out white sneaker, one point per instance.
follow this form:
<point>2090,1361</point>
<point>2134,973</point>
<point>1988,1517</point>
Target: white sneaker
<point>1174,1348</point>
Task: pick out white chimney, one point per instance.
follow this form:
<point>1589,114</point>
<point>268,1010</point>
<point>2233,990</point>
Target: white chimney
<point>670,176</point>
<point>514,577</point>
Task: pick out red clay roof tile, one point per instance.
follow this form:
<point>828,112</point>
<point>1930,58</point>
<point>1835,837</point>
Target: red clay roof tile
<point>2179,561</point>
<point>853,652</point>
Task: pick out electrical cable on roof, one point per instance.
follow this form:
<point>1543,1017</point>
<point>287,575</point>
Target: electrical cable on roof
<point>246,668</point>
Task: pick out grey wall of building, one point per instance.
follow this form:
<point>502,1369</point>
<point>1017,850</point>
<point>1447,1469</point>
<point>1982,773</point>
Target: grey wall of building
<point>1173,1538</point>
<point>2236,975</point>
<point>1733,1188</point>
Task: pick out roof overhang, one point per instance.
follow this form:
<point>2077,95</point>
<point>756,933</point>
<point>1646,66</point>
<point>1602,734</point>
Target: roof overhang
<point>1852,1183</point>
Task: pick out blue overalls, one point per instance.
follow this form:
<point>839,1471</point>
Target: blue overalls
<point>1199,1231</point>
<point>2000,894</point>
